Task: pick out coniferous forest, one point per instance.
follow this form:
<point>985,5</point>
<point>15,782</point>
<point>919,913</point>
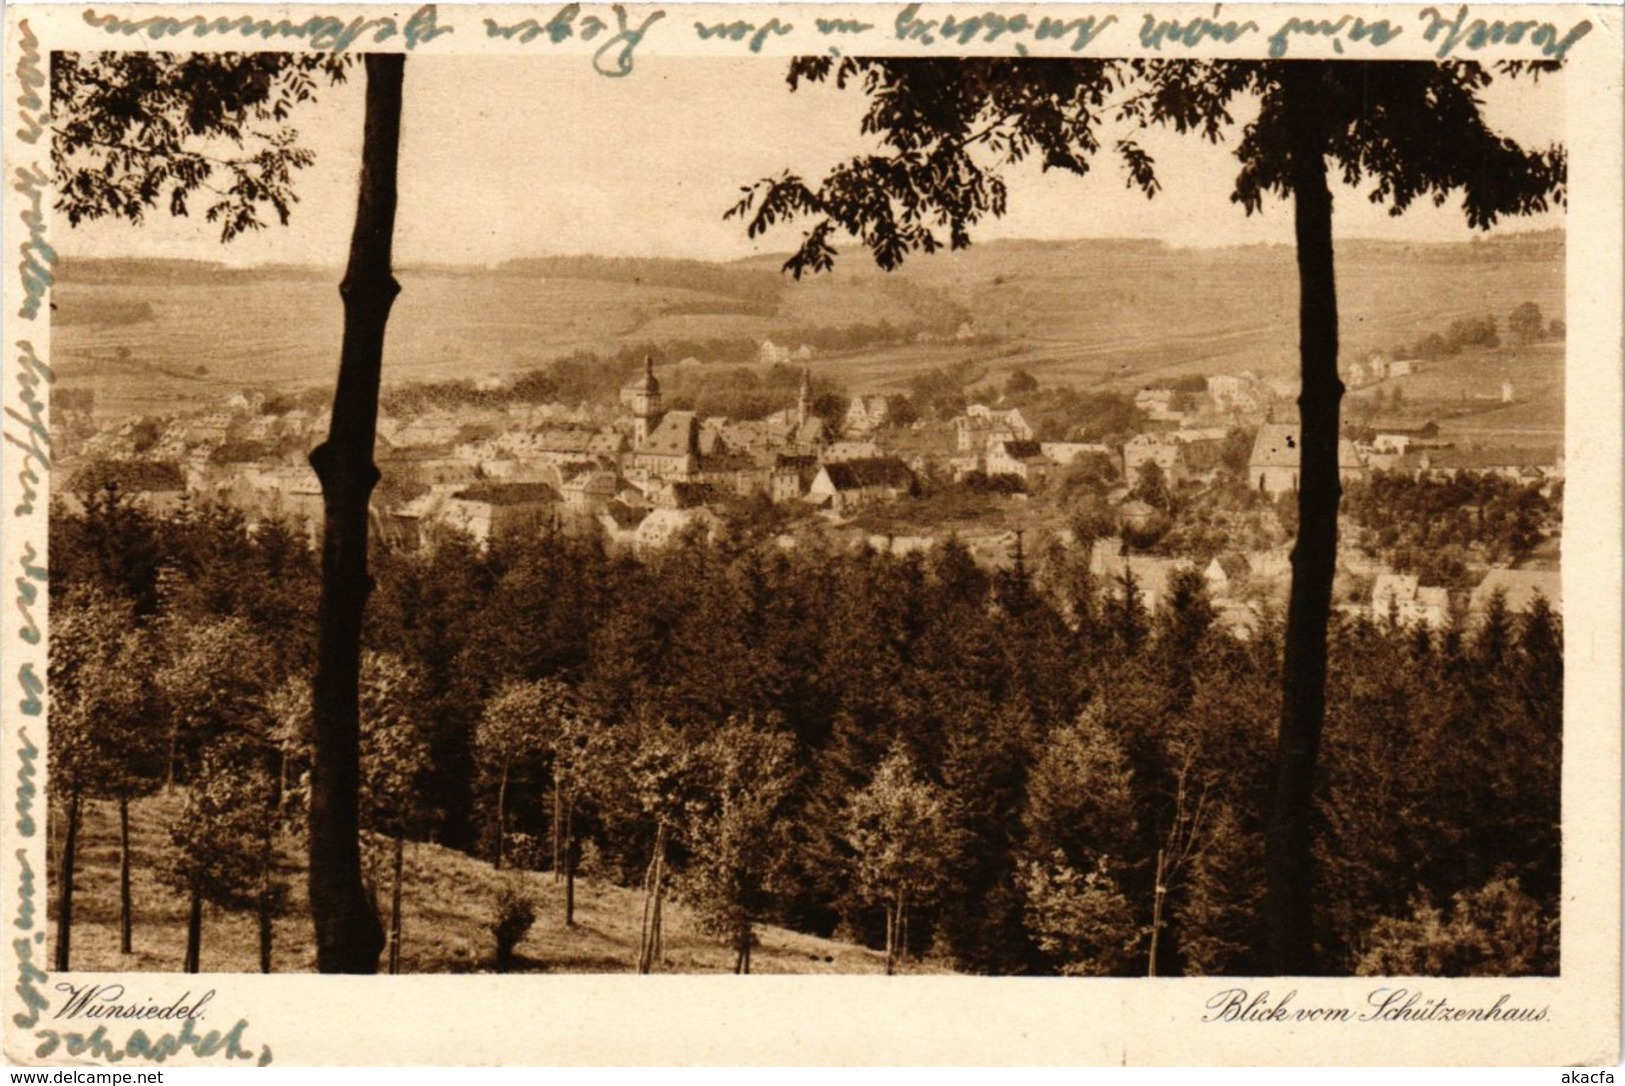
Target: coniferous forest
<point>1012,772</point>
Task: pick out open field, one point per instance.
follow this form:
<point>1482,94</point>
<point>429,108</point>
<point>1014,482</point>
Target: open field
<point>1101,313</point>
<point>1463,394</point>
<point>446,908</point>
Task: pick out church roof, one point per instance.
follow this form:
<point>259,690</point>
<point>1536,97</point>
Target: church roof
<point>677,435</point>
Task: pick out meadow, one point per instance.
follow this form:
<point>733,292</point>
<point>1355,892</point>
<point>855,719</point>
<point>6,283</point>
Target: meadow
<point>1111,314</point>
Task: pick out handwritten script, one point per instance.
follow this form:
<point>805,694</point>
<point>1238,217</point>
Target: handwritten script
<point>614,33</point>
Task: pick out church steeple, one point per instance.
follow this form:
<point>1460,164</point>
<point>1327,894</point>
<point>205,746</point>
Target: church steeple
<point>804,397</point>
<point>642,395</point>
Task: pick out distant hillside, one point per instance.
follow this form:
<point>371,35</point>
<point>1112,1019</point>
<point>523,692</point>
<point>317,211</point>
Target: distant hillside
<point>1105,313</point>
<point>160,271</point>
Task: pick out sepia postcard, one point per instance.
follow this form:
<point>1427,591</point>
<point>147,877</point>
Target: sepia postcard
<point>796,534</point>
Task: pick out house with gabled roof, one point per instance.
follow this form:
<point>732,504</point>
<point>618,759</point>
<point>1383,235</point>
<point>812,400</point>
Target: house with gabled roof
<point>790,476</point>
<point>1023,459</point>
<point>1152,577</point>
<point>1402,599</point>
<point>866,414</point>
<point>852,484</point>
<point>589,490</point>
<point>489,510</point>
<point>1273,466</point>
<point>981,426</point>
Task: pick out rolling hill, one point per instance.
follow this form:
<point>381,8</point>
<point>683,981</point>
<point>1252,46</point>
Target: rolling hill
<point>161,335</point>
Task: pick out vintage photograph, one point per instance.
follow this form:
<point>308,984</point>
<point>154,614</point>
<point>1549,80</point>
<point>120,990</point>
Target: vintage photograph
<point>997,516</point>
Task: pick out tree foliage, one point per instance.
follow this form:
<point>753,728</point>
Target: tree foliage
<point>1401,131</point>
<point>740,837</point>
<point>899,831</point>
<point>105,740</point>
<point>138,131</point>
<point>1046,719</point>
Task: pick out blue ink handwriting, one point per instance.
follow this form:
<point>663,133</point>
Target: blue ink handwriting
<point>990,26</point>
<point>157,1049</point>
<point>1477,33</point>
<point>841,26</point>
<point>614,56</point>
<point>324,32</point>
<point>38,258</point>
<point>30,77</point>
<point>27,593</point>
<point>1380,32</point>
<point>1154,32</point>
<point>31,373</point>
<point>738,31</point>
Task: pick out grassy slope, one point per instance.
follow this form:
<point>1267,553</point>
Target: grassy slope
<point>446,902</point>
<point>1098,313</point>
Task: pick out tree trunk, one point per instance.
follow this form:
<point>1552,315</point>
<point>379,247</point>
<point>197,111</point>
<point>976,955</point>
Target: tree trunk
<point>395,908</point>
<point>902,927</point>
<point>194,929</point>
<point>643,923</point>
<point>267,921</point>
<point>502,814</point>
<point>348,935</point>
<point>64,881</point>
<point>1158,892</point>
<point>657,925</point>
<point>572,853</point>
<point>125,911</point>
<point>891,938</point>
<point>558,827</point>
<point>1289,861</point>
<point>649,944</point>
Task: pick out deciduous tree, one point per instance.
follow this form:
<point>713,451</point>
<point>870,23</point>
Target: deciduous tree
<point>739,836</point>
<point>105,741</point>
<point>137,130</point>
<point>899,831</point>
<point>394,760</point>
<point>1407,130</point>
<point>512,742</point>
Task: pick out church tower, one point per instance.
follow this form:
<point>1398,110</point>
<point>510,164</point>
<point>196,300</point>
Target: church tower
<point>642,395</point>
<point>804,398</point>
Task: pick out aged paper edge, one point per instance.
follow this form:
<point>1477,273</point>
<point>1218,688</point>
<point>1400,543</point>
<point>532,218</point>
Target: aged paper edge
<point>304,1019</point>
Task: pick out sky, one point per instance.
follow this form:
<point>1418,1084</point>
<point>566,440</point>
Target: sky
<point>505,157</point>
